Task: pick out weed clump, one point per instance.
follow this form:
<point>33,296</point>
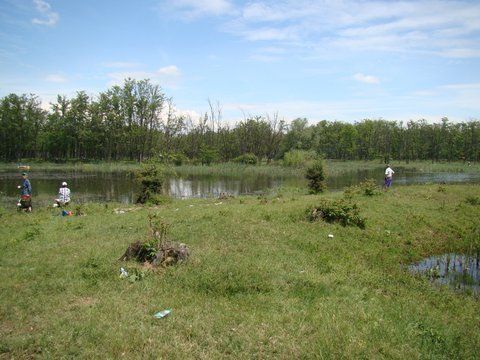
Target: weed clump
<point>367,187</point>
<point>151,178</point>
<point>316,177</point>
<point>247,159</point>
<point>338,211</point>
<point>298,158</point>
<point>79,210</point>
<point>225,196</point>
<point>156,250</point>
<point>473,200</point>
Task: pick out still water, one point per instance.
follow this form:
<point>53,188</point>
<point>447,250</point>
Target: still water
<point>461,272</point>
<point>121,187</point>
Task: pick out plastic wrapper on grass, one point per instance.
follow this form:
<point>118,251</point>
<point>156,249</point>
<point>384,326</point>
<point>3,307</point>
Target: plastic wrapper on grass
<point>338,211</point>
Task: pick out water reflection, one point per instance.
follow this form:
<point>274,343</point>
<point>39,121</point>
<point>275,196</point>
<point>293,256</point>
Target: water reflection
<point>208,186</point>
<point>121,187</point>
<point>459,271</point>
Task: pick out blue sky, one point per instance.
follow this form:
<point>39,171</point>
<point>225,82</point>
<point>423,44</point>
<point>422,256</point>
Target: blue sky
<point>335,60</point>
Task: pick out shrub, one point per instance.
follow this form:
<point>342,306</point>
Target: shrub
<point>151,178</point>
<point>173,158</point>
<point>179,159</point>
<point>208,155</point>
<point>299,158</point>
<point>248,158</point>
<point>316,177</point>
<point>369,187</point>
<point>340,211</point>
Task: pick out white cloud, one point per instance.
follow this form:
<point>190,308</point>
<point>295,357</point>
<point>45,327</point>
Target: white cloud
<point>49,17</point>
<point>367,79</point>
<point>167,76</point>
<point>189,114</point>
<point>451,30</point>
<point>190,9</point>
<point>270,33</point>
<point>56,78</point>
<point>171,70</point>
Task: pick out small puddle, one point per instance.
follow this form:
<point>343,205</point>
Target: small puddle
<point>461,272</point>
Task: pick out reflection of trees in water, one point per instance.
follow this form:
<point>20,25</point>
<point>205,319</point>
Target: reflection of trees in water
<point>122,188</point>
<point>457,270</point>
<point>207,187</point>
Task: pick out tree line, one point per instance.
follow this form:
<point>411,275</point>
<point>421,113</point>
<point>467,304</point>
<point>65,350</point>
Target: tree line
<point>137,121</point>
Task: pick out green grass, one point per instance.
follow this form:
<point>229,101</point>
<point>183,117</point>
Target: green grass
<point>262,282</point>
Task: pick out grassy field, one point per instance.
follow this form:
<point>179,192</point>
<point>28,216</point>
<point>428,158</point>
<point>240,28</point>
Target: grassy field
<point>262,281</point>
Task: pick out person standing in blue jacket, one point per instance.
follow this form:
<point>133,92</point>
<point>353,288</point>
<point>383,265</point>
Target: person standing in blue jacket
<point>25,194</point>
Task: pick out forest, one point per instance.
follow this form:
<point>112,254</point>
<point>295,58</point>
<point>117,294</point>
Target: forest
<point>137,121</point>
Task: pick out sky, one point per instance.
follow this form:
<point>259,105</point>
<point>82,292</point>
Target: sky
<point>344,60</point>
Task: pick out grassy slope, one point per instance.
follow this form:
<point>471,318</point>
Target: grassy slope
<point>262,282</point>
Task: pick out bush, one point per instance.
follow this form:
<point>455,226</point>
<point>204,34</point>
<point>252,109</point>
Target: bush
<point>316,177</point>
<point>208,155</point>
<point>299,158</point>
<point>248,159</point>
<point>340,211</point>
<point>151,178</point>
<point>174,158</point>
<point>369,187</point>
<point>179,159</point>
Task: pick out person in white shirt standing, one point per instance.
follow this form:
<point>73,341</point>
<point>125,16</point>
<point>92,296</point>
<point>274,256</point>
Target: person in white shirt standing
<point>388,176</point>
<point>63,195</point>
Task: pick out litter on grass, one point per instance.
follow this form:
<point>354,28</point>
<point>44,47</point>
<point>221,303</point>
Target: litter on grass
<point>163,313</point>
<point>123,273</point>
<point>330,236</point>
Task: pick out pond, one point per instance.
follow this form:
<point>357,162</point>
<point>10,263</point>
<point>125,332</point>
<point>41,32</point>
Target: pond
<point>121,187</point>
<point>461,272</point>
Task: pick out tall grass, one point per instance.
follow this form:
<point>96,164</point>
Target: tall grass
<point>236,170</point>
<point>337,167</point>
<point>262,281</point>
<point>231,169</point>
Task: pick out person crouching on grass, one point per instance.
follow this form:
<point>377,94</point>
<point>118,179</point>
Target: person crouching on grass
<point>25,202</point>
<point>388,177</point>
<point>63,196</point>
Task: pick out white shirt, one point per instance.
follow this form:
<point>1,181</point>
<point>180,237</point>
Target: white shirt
<point>389,172</point>
<point>64,194</point>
